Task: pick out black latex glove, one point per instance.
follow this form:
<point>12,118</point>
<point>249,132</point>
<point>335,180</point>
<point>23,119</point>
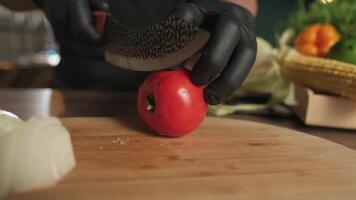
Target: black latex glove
<point>72,23</point>
<point>231,50</point>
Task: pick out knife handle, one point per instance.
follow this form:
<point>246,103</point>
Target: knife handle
<point>100,19</point>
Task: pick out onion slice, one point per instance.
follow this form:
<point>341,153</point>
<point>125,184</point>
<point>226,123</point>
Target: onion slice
<point>33,154</point>
<point>8,148</point>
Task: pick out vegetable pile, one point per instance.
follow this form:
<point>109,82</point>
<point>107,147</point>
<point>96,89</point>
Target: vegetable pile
<point>329,22</point>
<point>340,13</point>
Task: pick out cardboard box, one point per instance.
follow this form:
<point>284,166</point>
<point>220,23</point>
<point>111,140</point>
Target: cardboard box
<point>324,110</point>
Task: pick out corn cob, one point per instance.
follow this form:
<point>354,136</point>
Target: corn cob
<point>320,74</point>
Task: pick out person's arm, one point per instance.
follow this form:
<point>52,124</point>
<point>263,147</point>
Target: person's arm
<point>19,5</point>
<point>251,5</point>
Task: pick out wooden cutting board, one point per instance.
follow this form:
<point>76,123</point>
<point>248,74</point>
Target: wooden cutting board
<point>223,159</point>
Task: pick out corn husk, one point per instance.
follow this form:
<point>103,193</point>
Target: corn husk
<point>320,74</point>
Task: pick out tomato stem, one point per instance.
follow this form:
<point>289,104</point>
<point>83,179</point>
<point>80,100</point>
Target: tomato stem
<point>150,103</point>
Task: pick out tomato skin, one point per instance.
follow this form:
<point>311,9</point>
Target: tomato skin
<point>179,105</point>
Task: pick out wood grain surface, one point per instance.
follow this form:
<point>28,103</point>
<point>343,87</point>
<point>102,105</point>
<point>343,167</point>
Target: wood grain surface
<point>83,103</point>
<point>119,158</point>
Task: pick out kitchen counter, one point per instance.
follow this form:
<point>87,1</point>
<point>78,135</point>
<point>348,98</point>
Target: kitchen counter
<point>74,103</point>
<point>118,157</point>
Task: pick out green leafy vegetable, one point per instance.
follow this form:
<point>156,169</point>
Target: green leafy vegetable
<point>340,13</point>
<point>345,51</point>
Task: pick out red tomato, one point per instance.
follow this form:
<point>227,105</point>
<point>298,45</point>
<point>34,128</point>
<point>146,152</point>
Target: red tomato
<point>170,103</point>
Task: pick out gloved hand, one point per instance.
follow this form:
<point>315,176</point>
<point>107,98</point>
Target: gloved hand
<point>231,50</point>
<point>72,23</point>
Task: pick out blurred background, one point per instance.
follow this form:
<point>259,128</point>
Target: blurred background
<point>28,52</point>
<point>27,49</point>
<point>284,70</point>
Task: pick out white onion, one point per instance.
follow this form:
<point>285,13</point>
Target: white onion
<point>41,153</point>
<point>8,146</point>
